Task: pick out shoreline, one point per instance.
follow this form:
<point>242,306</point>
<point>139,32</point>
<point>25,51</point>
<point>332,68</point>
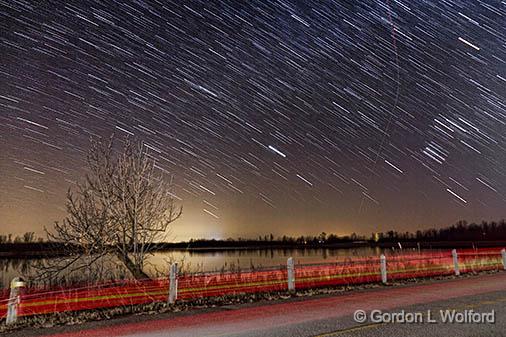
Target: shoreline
<point>49,249</point>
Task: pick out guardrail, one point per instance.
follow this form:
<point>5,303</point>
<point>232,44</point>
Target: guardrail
<point>23,302</point>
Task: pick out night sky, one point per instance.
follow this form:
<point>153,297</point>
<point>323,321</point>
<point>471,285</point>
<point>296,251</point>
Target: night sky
<point>290,117</point>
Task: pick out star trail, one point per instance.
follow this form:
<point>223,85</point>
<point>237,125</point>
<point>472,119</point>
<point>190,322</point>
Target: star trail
<point>290,117</point>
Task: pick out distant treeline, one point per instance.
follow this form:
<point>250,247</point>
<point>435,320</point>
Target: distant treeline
<point>28,237</point>
<point>460,232</point>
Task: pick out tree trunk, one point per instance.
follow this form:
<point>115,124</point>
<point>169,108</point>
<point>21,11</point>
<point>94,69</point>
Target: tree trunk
<point>136,270</point>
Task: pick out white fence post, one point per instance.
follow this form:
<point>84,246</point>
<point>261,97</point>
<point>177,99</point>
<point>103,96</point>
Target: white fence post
<point>17,286</point>
<point>383,268</point>
<point>455,262</point>
<point>291,274</point>
<point>503,253</point>
<point>173,284</point>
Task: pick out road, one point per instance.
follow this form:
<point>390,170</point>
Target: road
<point>324,316</point>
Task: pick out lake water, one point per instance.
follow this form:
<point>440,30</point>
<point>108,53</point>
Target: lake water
<point>208,261</point>
<point>247,259</point>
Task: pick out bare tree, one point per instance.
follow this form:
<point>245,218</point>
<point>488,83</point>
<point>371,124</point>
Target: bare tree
<point>123,207</point>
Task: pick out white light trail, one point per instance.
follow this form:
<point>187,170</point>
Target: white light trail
<point>469,43</point>
<point>456,195</point>
<point>304,180</point>
<point>273,149</point>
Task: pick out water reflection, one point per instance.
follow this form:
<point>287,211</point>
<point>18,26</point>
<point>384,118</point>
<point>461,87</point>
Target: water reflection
<point>258,258</point>
<point>209,260</point>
